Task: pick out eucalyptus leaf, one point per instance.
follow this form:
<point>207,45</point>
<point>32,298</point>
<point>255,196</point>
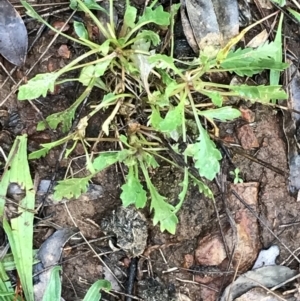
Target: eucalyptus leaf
<point>13,33</point>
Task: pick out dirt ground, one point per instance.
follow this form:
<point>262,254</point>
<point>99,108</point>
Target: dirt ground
<point>166,269</point>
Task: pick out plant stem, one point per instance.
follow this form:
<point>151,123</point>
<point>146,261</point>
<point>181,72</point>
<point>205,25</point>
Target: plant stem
<point>103,59</point>
<point>84,94</point>
<point>111,17</point>
<point>153,149</point>
<point>200,128</point>
<point>80,58</point>
<point>39,18</point>
<point>94,18</point>
<point>108,103</point>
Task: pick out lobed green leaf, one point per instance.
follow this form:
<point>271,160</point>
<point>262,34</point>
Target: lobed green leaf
<point>133,191</point>
<point>38,86</point>
<point>215,97</point>
<point>38,154</point>
<point>261,94</point>
<point>130,16</point>
<point>155,119</point>
<point>157,16</point>
<point>149,35</point>
<point>163,61</point>
<point>93,71</point>
<point>70,188</point>
<point>64,118</point>
<point>173,119</point>
<point>203,188</point>
<point>250,61</point>
<point>107,159</point>
<point>163,212</point>
<point>206,156</point>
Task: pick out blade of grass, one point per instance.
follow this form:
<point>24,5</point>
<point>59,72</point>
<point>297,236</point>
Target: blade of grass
<point>9,263</point>
<point>53,291</point>
<point>294,13</point>
<point>274,74</point>
<point>296,3</point>
<point>6,290</point>
<point>94,291</point>
<point>20,229</point>
<point>280,2</point>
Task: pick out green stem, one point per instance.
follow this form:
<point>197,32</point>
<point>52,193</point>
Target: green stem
<point>146,176</point>
<point>66,80</point>
<point>94,18</point>
<point>111,56</point>
<point>80,58</point>
<point>185,182</point>
<point>50,145</point>
<point>215,85</point>
<point>200,128</point>
<point>157,149</point>
<point>198,72</point>
<point>39,18</point>
<point>232,70</point>
<point>85,93</point>
<point>183,99</point>
<point>111,18</point>
<point>183,193</point>
<point>111,31</point>
<point>165,159</point>
<point>178,89</point>
<point>153,4</point>
<point>202,89</point>
<point>108,103</point>
<point>133,30</point>
<point>172,24</point>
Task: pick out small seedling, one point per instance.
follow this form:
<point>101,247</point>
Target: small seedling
<point>236,175</point>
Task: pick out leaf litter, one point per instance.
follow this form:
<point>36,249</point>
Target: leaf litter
<point>14,37</point>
